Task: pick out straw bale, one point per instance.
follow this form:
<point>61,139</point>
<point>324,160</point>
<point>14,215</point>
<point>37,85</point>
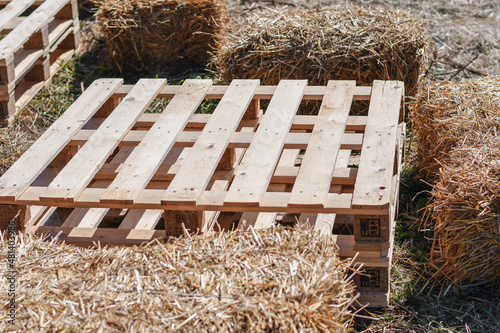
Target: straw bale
<point>352,43</point>
<point>447,113</point>
<point>270,280</point>
<point>158,34</point>
<point>466,210</point>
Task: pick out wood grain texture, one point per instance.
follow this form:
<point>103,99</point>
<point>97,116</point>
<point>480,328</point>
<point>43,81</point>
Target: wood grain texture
<point>373,183</point>
<point>19,176</point>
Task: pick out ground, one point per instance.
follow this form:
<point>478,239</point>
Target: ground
<point>464,44</point>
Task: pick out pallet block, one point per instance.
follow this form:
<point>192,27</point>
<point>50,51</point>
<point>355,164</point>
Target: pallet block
<point>108,171</point>
<point>33,48</point>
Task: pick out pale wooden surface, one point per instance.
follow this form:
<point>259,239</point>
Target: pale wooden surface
<point>267,220</point>
<point>141,219</point>
<point>41,16</point>
<point>72,180</point>
<point>315,175</point>
<point>373,183</point>
<point>262,92</point>
<point>145,160</point>
<point>19,176</point>
<point>256,169</point>
<point>236,139</point>
<point>12,10</point>
<point>300,122</point>
<point>194,175</point>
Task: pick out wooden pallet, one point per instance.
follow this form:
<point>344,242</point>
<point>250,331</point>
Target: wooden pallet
<point>108,171</point>
<point>33,48</point>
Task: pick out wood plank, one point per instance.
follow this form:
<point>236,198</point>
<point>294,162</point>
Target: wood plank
<point>282,175</point>
<point>145,160</point>
<point>27,168</point>
<point>25,59</point>
<point>373,183</point>
<point>300,122</point>
<point>80,170</point>
<point>315,174</point>
<point>146,219</point>
<point>57,29</point>
<point>256,220</point>
<point>210,200</point>
<point>47,213</point>
<point>262,92</point>
<point>210,218</point>
<point>256,169</point>
<point>267,220</point>
<point>92,217</point>
<point>31,88</point>
<point>324,222</point>
<point>86,236</point>
<point>85,217</point>
<point>6,2</point>
<point>36,213</point>
<point>12,10</point>
<point>22,33</point>
<point>195,173</point>
<point>237,139</point>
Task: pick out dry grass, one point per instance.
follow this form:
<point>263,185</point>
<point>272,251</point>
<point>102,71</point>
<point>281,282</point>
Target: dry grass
<point>447,114</point>
<point>273,280</point>
<point>466,208</point>
<point>157,34</point>
<point>343,43</point>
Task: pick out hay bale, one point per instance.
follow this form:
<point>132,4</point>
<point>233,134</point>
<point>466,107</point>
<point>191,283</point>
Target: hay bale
<point>271,280</point>
<point>466,210</point>
<point>158,34</point>
<point>447,113</point>
<point>353,43</point>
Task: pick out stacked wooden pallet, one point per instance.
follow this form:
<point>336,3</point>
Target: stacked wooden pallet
<point>33,47</point>
<point>108,171</point>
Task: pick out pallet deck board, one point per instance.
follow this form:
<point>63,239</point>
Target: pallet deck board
<point>41,16</point>
<point>145,160</point>
<point>194,175</point>
<point>19,177</point>
<point>236,139</point>
<point>256,169</point>
<point>314,178</point>
<point>373,183</point>
<point>67,186</point>
<point>12,10</point>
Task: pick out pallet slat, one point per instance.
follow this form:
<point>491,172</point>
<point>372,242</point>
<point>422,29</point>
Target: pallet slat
<point>236,139</point>
<point>145,160</point>
<point>256,169</point>
<point>71,181</point>
<point>313,181</point>
<point>19,177</point>
<point>193,177</point>
<point>23,32</point>
<point>12,10</point>
<point>373,183</point>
